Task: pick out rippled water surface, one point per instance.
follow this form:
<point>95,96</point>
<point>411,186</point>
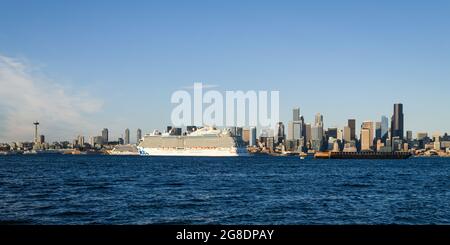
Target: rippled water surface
<point>62,189</point>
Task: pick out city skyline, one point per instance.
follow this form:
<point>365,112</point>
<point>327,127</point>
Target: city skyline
<point>297,128</point>
<point>376,139</point>
<point>77,68</point>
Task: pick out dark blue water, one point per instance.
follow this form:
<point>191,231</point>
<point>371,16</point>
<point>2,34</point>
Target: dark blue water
<point>59,189</point>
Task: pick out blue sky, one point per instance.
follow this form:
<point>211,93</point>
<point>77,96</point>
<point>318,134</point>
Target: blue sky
<point>345,59</point>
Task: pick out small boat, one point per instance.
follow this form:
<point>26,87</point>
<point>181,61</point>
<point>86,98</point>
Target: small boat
<point>30,152</point>
<point>303,155</point>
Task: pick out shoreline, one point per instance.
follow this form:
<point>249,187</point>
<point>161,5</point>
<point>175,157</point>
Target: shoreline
<point>272,154</point>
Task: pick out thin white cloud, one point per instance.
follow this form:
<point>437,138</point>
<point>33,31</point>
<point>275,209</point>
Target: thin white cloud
<point>204,86</point>
<point>26,97</point>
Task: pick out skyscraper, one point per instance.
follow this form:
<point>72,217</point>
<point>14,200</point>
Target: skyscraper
<point>352,126</point>
<point>319,120</point>
<point>138,135</point>
<point>397,122</point>
<point>296,114</point>
<point>347,134</point>
<point>369,126</point>
<point>365,139</point>
<point>290,131</point>
<point>409,136</point>
<point>295,130</point>
<point>307,132</point>
<point>36,124</point>
<point>42,139</point>
<point>303,127</point>
<point>246,135</point>
<point>280,133</point>
<point>377,130</point>
<point>252,140</point>
<point>317,133</point>
<point>298,127</point>
<point>105,136</point>
<point>127,136</point>
<point>384,128</point>
<point>317,137</point>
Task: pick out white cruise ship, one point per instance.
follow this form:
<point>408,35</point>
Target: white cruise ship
<point>207,141</point>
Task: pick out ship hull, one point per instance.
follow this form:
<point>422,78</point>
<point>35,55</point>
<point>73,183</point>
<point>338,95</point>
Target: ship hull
<point>193,152</point>
<point>123,153</point>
